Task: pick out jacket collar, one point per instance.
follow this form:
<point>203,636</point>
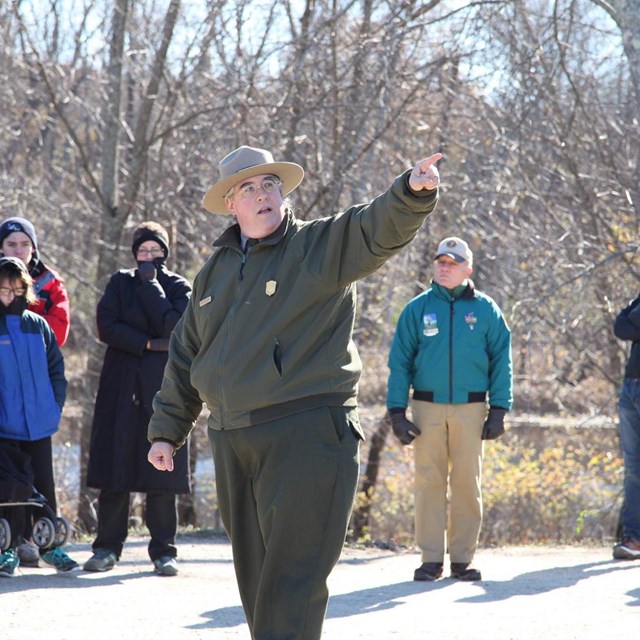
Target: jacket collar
<point>442,292</point>
<point>231,237</point>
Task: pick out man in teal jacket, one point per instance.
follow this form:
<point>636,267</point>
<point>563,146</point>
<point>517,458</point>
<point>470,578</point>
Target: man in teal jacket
<point>452,346</point>
<point>266,343</point>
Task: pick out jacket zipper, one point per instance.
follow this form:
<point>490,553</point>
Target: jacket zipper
<point>244,261</point>
<point>222,354</point>
<point>451,312</point>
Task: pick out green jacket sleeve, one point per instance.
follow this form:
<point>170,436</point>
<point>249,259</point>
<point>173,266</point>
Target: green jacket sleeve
<point>353,244</point>
<point>177,405</point>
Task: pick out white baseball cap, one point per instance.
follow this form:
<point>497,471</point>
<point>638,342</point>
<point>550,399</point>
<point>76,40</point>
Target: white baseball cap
<point>455,248</point>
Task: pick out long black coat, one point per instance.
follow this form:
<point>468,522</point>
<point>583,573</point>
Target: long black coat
<point>131,312</point>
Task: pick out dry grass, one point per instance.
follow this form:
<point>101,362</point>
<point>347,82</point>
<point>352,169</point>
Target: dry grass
<point>540,485</point>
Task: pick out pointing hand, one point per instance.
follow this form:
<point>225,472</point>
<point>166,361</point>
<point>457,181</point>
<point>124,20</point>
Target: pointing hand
<point>425,174</point>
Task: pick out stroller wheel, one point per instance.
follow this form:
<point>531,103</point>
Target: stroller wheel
<point>43,532</point>
<point>5,534</point>
<point>63,532</point>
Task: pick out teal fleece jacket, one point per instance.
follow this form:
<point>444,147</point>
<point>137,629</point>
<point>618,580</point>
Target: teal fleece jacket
<point>448,348</point>
<point>269,334</point>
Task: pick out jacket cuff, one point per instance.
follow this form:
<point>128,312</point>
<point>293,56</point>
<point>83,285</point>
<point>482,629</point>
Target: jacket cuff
<point>171,442</point>
<point>398,410</point>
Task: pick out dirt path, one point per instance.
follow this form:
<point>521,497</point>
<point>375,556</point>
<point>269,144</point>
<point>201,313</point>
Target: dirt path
<point>528,593</point>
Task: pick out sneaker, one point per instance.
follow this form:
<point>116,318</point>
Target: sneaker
<point>462,571</point>
<point>428,571</point>
<point>58,558</point>
<point>101,560</point>
<point>29,554</point>
<point>628,549</point>
<point>166,566</point>
<point>9,562</point>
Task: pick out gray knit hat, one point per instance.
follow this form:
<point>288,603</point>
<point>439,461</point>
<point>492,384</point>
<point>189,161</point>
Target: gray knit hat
<point>11,225</point>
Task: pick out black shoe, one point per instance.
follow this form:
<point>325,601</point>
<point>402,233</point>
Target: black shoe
<point>462,571</point>
<point>29,554</point>
<point>101,560</point>
<point>428,571</point>
<point>628,549</point>
<point>166,566</point>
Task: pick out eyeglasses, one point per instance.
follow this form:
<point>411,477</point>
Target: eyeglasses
<point>249,191</point>
<point>156,251</point>
<point>7,291</point>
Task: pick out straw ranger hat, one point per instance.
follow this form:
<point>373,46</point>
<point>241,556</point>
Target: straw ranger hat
<point>246,162</point>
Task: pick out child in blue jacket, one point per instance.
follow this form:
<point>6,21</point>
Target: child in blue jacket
<point>32,393</point>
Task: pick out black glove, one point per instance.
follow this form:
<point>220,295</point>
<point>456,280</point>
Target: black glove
<point>158,344</point>
<point>146,271</point>
<point>494,424</point>
<point>403,429</point>
<point>161,271</point>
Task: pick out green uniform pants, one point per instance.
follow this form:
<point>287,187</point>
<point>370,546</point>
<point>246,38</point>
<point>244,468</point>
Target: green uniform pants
<point>285,493</point>
<point>448,469</point>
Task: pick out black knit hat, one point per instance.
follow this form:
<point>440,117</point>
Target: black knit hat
<point>11,225</point>
<point>150,231</point>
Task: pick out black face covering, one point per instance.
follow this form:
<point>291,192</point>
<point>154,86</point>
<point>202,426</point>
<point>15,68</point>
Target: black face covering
<point>158,263</point>
<point>15,307</point>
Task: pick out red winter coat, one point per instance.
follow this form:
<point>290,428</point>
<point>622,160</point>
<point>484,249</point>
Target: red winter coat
<point>53,302</point>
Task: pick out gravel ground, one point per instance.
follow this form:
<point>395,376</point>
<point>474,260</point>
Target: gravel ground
<point>527,593</point>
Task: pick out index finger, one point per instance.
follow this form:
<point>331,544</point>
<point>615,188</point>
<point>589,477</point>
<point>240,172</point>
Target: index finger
<point>430,161</point>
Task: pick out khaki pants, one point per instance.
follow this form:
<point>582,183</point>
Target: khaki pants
<point>448,468</point>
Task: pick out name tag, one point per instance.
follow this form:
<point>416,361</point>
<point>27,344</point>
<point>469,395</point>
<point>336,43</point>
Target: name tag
<point>204,301</point>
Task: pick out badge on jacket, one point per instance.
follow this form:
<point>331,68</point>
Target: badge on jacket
<point>430,324</point>
<point>270,287</point>
<point>471,320</point>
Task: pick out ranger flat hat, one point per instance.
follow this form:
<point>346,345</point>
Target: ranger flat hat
<point>246,162</point>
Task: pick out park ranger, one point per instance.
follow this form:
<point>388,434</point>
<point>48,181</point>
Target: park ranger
<point>266,343</point>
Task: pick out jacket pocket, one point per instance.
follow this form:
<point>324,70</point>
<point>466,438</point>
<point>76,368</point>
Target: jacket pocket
<point>345,421</point>
<point>277,356</point>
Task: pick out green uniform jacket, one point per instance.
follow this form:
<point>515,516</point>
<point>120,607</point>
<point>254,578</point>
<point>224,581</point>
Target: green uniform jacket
<point>269,334</point>
<point>451,350</point>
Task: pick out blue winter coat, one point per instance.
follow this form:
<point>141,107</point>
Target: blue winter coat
<point>33,386</point>
<point>451,350</point>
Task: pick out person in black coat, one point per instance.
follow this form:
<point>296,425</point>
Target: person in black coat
<point>135,316</point>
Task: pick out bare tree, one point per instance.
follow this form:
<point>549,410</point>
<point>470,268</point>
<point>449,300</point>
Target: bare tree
<point>110,118</point>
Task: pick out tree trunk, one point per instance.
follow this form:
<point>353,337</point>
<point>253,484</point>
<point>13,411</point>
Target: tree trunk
<point>108,252</point>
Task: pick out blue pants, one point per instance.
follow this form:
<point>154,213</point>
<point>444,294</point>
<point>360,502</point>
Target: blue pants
<point>629,411</point>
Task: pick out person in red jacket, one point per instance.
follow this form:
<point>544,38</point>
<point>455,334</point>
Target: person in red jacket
<point>18,240</point>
